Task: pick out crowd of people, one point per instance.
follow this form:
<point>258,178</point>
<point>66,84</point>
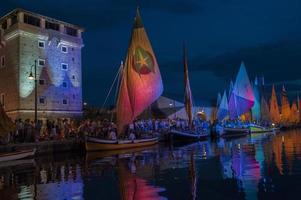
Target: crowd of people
<point>27,131</point>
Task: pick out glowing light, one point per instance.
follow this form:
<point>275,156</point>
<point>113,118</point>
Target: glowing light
<point>30,77</point>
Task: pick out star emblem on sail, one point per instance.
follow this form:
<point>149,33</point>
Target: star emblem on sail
<point>141,82</point>
<point>242,96</point>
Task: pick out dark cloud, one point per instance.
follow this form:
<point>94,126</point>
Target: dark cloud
<point>218,33</point>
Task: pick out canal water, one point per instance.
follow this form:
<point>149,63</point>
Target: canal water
<point>260,166</point>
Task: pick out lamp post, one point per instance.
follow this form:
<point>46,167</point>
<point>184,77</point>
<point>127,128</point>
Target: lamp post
<point>34,77</point>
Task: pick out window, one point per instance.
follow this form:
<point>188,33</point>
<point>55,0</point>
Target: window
<point>65,101</point>
<point>73,59</point>
<point>2,99</point>
<point>70,31</point>
<point>64,49</point>
<point>4,25</point>
<point>41,62</point>
<point>14,19</point>
<point>73,77</point>
<point>42,44</point>
<point>64,84</point>
<point>42,100</point>
<point>53,26</point>
<point>42,82</point>
<point>31,20</point>
<point>64,66</point>
<point>2,61</point>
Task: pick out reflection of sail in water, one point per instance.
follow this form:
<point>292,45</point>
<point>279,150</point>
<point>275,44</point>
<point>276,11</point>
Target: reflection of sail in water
<point>193,176</point>
<point>242,164</point>
<point>133,187</point>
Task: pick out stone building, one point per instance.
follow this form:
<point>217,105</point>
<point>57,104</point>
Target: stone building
<point>27,37</point>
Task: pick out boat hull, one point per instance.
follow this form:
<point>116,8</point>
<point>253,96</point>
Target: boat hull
<point>95,144</point>
<point>17,155</point>
<point>260,129</point>
<point>235,132</point>
<point>180,135</point>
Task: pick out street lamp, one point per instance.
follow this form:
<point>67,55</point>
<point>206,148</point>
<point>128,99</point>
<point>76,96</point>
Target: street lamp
<point>34,77</point>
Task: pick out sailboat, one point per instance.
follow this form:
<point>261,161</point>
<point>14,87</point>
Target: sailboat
<point>193,132</point>
<point>285,110</point>
<point>240,102</point>
<point>141,85</point>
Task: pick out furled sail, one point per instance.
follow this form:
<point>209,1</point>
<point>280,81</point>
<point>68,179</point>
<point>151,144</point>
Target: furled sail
<point>256,108</point>
<point>141,82</point>
<point>285,107</point>
<point>274,108</point>
<point>223,110</point>
<point>187,92</point>
<point>242,96</point>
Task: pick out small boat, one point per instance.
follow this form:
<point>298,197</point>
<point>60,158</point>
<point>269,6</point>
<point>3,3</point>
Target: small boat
<point>17,155</point>
<point>188,135</point>
<point>259,129</point>
<point>235,132</point>
<point>96,144</point>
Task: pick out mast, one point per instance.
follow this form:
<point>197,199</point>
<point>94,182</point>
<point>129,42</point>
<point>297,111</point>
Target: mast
<point>187,90</point>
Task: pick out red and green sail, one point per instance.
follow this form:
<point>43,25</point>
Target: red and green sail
<point>141,82</point>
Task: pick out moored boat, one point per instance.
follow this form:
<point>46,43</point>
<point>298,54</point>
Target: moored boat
<point>259,129</point>
<point>193,132</point>
<point>94,144</point>
<point>235,132</point>
<point>17,155</point>
<point>188,135</point>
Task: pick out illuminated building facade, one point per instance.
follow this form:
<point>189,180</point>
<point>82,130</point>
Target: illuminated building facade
<point>27,37</point>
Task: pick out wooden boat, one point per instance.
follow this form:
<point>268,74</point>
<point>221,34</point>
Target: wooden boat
<point>259,129</point>
<point>140,85</point>
<point>187,135</point>
<point>235,132</point>
<point>96,144</point>
<point>17,155</point>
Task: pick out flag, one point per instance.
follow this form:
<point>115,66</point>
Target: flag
<point>141,82</point>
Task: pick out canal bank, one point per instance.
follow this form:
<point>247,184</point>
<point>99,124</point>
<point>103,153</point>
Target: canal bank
<point>47,147</point>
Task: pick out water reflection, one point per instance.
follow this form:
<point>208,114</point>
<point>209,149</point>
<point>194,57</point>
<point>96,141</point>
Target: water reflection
<point>262,166</point>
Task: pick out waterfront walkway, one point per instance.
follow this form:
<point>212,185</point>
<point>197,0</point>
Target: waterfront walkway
<point>47,147</point>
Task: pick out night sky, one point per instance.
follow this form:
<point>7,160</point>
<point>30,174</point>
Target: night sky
<point>219,34</point>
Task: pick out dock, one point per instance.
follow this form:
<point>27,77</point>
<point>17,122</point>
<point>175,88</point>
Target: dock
<point>47,147</point>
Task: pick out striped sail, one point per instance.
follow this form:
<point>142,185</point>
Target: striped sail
<point>242,96</point>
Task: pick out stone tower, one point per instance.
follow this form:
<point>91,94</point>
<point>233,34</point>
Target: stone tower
<point>55,46</point>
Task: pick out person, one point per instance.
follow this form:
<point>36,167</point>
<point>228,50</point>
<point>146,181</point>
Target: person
<point>132,136</point>
<point>112,134</point>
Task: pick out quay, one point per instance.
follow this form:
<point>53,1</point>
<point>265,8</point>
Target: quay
<point>47,147</point>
